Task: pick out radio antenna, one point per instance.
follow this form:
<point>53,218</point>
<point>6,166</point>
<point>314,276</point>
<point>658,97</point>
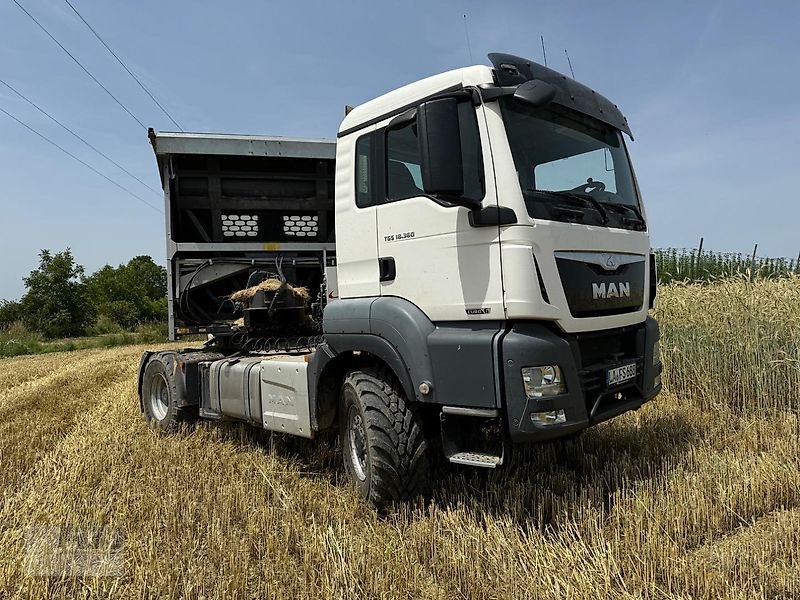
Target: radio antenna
<point>570,63</point>
<point>466,34</point>
<point>544,52</point>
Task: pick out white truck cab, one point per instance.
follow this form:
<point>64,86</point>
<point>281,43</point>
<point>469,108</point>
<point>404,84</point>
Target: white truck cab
<point>492,265</point>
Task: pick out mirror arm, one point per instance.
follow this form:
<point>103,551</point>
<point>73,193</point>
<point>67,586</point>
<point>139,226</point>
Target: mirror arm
<point>403,118</point>
<point>469,203</point>
<point>490,94</point>
<point>492,216</point>
<point>464,94</point>
<point>535,92</point>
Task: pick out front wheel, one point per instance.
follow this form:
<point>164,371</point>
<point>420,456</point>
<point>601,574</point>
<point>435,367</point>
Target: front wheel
<point>382,439</point>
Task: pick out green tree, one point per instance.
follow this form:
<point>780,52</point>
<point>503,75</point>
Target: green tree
<point>10,312</point>
<point>130,294</point>
<point>55,302</point>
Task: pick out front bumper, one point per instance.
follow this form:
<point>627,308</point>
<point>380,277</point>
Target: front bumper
<point>584,359</point>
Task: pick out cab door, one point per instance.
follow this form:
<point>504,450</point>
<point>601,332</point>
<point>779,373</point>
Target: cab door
<point>428,253</point>
<point>356,218</point>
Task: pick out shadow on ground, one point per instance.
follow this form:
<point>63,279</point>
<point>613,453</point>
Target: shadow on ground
<point>544,484</point>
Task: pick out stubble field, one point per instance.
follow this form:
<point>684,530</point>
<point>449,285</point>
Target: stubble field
<point>697,495</point>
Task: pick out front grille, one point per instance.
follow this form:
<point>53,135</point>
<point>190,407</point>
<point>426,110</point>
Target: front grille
<point>605,347</point>
<point>592,382</point>
<point>592,291</point>
<point>594,354</point>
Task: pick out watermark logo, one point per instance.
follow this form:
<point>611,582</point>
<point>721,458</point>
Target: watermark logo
<point>73,551</point>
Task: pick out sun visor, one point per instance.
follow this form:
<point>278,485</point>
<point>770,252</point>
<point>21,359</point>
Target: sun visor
<point>512,70</point>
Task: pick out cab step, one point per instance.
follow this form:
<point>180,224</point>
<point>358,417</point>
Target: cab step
<point>473,437</point>
<point>476,459</point>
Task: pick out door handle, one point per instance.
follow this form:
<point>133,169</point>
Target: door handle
<point>387,270</point>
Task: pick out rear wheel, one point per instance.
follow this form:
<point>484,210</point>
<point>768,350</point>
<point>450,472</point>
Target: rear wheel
<point>159,399</point>
<point>382,439</point>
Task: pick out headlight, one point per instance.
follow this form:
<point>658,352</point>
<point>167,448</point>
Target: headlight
<point>541,382</point>
<point>656,354</point>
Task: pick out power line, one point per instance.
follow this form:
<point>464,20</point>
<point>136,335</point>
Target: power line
<point>124,66</point>
<point>64,127</point>
<point>77,62</point>
<point>85,164</point>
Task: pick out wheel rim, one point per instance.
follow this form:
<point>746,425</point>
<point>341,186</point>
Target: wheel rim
<point>357,442</point>
<point>159,397</point>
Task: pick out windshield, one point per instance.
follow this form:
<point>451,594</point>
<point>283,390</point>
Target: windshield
<point>571,167</point>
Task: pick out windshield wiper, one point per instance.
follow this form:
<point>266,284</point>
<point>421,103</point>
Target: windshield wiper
<point>607,205</point>
<point>615,207</point>
<point>583,199</point>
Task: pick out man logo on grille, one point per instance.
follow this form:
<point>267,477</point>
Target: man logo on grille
<point>601,292</point>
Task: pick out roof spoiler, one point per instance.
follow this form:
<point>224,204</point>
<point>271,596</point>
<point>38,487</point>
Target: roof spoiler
<point>513,70</point>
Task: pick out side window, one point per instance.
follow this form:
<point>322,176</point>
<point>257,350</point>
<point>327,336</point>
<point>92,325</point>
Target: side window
<point>363,174</point>
<point>403,173</point>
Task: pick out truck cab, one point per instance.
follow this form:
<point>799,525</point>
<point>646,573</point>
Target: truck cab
<point>489,283</point>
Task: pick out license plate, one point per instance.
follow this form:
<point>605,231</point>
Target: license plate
<point>621,374</point>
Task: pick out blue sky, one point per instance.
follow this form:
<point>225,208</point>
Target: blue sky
<point>710,90</point>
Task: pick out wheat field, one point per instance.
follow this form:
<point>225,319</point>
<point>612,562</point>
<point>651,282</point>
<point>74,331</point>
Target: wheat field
<point>697,495</point>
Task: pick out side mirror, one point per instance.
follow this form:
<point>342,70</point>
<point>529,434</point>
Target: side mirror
<point>535,92</point>
<point>439,135</point>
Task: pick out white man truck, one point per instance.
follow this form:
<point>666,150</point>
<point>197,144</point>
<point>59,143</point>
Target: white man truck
<point>465,268</point>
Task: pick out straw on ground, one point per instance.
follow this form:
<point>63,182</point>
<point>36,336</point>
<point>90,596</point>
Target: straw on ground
<point>695,496</point>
